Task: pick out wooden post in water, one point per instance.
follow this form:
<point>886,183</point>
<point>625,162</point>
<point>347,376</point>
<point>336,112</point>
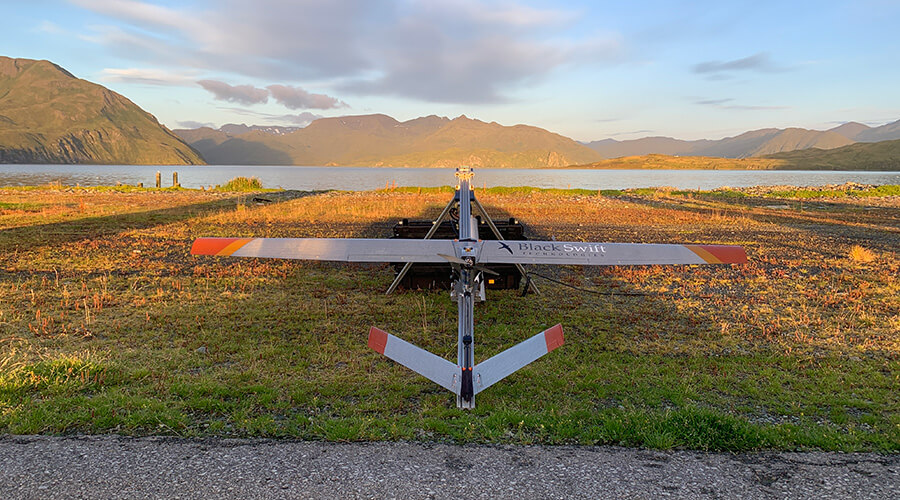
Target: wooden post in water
<point>158,179</point>
<point>175,179</point>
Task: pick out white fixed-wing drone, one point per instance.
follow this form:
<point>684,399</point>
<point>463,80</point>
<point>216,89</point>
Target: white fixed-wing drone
<point>467,254</point>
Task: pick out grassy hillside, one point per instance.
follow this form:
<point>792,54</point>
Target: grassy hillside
<point>861,156</point>
<point>878,156</point>
<point>667,162</point>
<point>49,116</point>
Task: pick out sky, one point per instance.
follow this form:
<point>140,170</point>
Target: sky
<point>588,70</point>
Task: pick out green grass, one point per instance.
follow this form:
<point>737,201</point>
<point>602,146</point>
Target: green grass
<point>241,184</point>
<point>877,191</point>
<point>102,325</point>
<point>277,374</point>
<point>885,190</point>
<point>29,207</point>
<point>807,193</point>
<point>421,190</point>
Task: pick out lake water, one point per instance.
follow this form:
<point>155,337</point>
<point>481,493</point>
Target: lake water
<point>366,178</point>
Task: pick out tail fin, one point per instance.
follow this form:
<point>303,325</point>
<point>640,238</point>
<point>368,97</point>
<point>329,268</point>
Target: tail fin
<point>451,376</point>
<point>498,367</point>
<point>430,366</point>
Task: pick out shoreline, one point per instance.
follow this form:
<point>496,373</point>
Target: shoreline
<point>850,188</point>
<point>613,164</point>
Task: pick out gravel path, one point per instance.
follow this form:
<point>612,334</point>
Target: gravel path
<point>119,467</point>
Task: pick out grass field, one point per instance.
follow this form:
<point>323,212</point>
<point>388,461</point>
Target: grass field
<point>108,325</point>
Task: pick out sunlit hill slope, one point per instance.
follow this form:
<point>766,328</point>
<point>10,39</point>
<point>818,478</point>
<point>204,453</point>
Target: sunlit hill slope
<point>49,116</point>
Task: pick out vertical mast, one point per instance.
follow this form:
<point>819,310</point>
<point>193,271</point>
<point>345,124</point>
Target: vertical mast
<point>465,289</point>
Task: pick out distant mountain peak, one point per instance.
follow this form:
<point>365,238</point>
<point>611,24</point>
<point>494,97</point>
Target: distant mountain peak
<point>886,132</point>
<point>850,130</point>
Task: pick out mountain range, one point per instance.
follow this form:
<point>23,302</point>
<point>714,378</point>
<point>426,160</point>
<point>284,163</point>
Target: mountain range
<point>749,144</point>
<point>47,115</point>
<point>379,140</point>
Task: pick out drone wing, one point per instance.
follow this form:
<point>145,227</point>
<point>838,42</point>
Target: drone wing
<point>339,249</point>
<point>606,254</point>
<point>491,252</point>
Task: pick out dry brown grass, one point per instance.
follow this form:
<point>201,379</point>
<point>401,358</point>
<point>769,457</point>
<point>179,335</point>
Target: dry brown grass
<point>861,254</point>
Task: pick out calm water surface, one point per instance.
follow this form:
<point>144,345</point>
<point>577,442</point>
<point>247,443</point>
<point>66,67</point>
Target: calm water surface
<point>365,178</point>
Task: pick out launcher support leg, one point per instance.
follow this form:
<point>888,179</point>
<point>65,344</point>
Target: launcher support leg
<point>490,223</point>
<point>434,228</point>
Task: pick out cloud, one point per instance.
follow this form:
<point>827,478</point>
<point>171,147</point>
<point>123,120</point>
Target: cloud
<point>300,120</point>
<point>713,102</point>
<point>297,98</point>
<point>467,52</point>
<point>724,69</point>
<point>190,124</point>
<point>455,51</point>
<point>286,95</point>
<point>274,39</point>
<point>633,132</point>
<point>51,28</point>
<point>726,104</point>
<point>245,112</point>
<point>147,77</point>
<point>242,94</point>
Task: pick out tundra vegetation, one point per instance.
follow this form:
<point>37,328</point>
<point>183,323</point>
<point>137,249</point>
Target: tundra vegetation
<point>108,325</point>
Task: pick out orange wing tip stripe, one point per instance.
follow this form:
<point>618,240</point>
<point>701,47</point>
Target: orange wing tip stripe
<point>554,337</point>
<point>727,254</point>
<point>704,254</point>
<point>719,254</point>
<point>234,246</point>
<point>377,339</point>
<point>218,246</point>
